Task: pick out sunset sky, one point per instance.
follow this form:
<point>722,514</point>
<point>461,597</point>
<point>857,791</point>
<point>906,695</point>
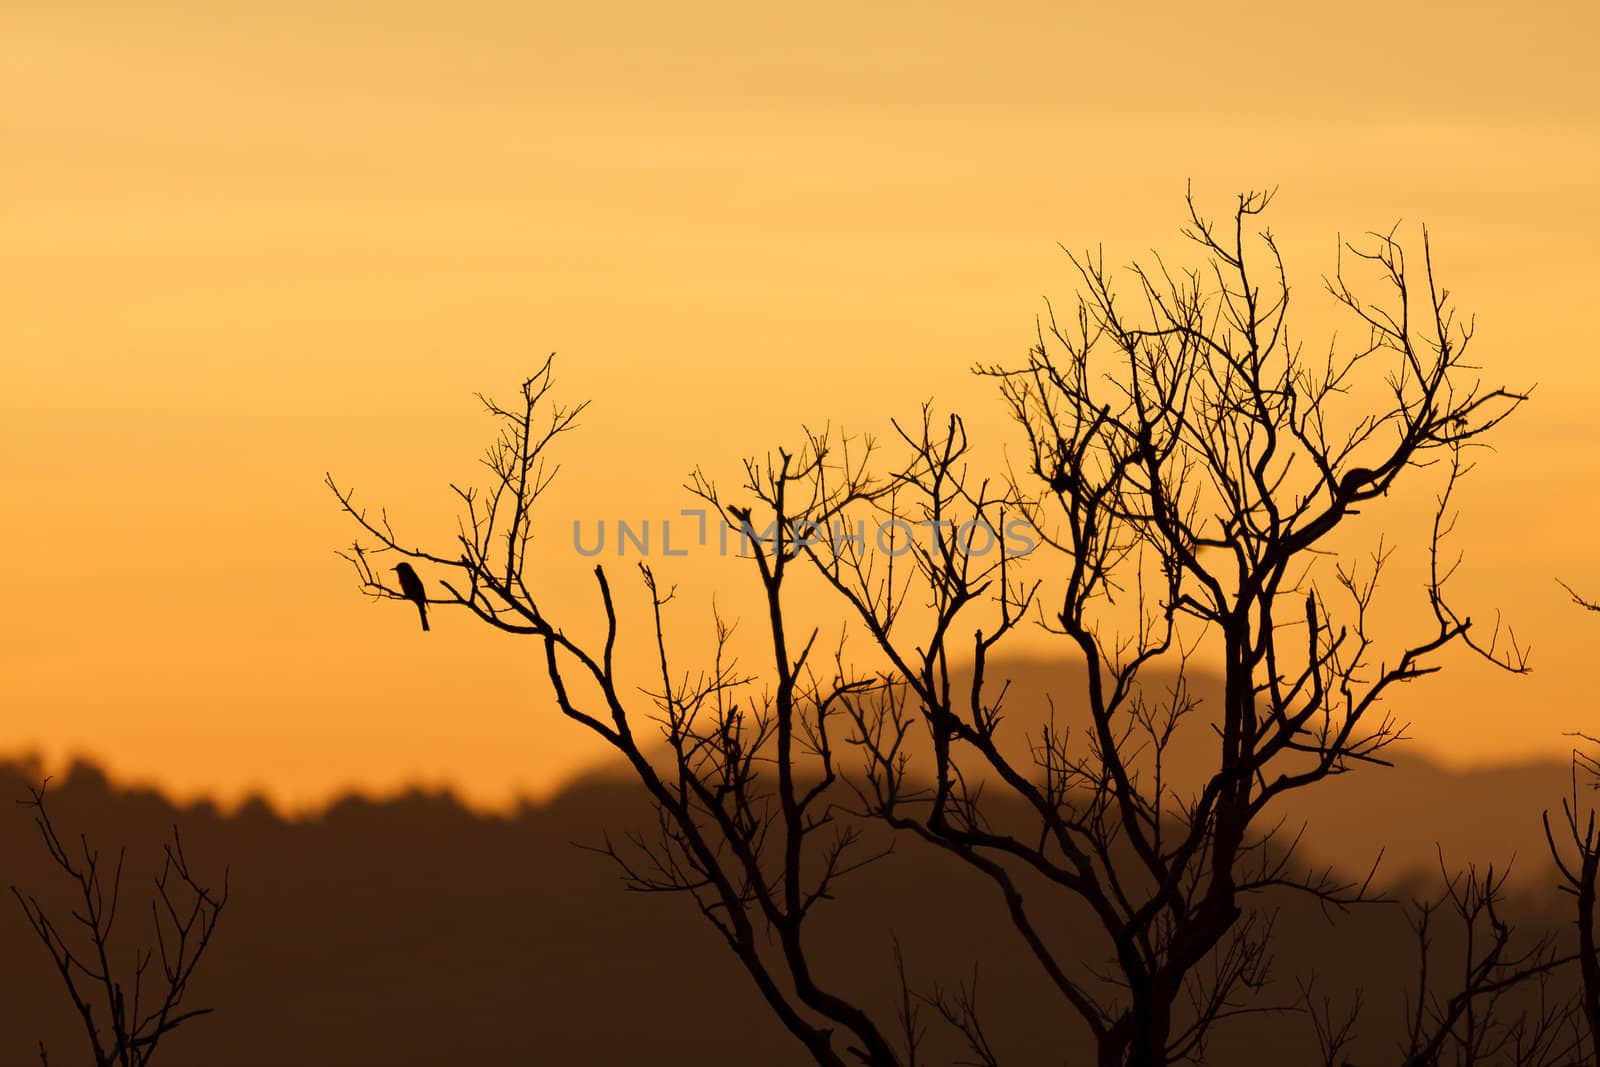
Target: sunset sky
<point>247,243</point>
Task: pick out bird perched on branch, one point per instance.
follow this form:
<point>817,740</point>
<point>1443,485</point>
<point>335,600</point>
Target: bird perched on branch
<point>413,589</point>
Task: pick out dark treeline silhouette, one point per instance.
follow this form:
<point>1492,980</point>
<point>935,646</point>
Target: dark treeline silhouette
<point>414,931</point>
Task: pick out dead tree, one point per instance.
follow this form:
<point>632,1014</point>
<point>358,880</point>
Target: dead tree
<point>1484,993</point>
<point>744,828</point>
<point>126,1009</point>
<point>1188,469</point>
<point>1577,859</point>
<point>1485,1018</point>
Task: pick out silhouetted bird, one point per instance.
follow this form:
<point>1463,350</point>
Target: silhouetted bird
<point>412,587</point>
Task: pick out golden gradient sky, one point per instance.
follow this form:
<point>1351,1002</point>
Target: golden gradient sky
<point>245,243</point>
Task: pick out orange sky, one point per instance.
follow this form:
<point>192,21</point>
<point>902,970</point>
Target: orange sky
<point>247,243</point>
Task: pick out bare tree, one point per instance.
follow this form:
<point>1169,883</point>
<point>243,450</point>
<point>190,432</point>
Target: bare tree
<point>1484,993</point>
<point>1194,466</point>
<point>1577,859</point>
<point>1334,1028</point>
<point>141,1005</point>
<point>740,830</point>
<point>1481,1020</point>
<point>1187,471</point>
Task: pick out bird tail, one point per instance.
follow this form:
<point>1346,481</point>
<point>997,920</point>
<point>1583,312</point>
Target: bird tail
<point>422,609</point>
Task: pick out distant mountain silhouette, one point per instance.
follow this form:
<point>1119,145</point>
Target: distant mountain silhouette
<point>415,932</point>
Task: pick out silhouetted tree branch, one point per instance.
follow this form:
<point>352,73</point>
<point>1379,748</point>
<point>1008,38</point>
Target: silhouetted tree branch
<point>1485,996</point>
<point>1334,1031</point>
<point>1477,1021</point>
<point>140,1006</point>
<point>1192,468</point>
<point>741,827</point>
<point>1577,859</point>
<point>1187,472</point>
